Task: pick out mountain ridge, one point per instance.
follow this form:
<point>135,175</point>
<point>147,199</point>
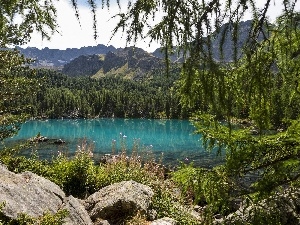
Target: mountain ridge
<point>130,62</point>
<point>56,58</point>
<point>100,60</point>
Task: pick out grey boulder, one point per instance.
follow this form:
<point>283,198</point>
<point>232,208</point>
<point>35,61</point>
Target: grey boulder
<point>77,213</point>
<point>34,195</point>
<point>119,201</point>
<point>164,221</point>
<point>28,193</point>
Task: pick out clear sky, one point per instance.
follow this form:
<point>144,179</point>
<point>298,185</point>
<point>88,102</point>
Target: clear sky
<point>72,35</point>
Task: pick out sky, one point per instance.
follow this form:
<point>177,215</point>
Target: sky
<point>74,35</point>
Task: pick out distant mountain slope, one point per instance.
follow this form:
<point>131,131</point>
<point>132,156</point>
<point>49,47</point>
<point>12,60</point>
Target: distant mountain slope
<point>132,62</point>
<point>129,62</point>
<point>244,29</point>
<point>84,65</point>
<point>57,58</point>
<point>132,59</point>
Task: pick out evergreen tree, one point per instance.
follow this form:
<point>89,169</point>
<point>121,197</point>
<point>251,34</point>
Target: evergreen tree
<point>16,79</point>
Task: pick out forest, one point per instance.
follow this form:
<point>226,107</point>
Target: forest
<point>85,97</point>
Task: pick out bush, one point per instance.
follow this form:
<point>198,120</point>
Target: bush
<point>205,187</point>
<point>77,176</point>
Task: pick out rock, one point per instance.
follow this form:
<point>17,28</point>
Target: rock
<point>130,62</point>
<point>84,65</point>
<point>56,58</point>
<point>152,214</point>
<point>101,222</point>
<point>254,132</point>
<point>77,213</point>
<point>218,216</point>
<point>113,61</point>
<point>38,139</point>
<point>34,195</point>
<point>164,221</point>
<point>198,208</point>
<point>28,193</point>
<point>59,141</point>
<point>119,201</point>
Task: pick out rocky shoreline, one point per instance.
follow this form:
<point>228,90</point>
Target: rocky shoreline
<point>34,195</point>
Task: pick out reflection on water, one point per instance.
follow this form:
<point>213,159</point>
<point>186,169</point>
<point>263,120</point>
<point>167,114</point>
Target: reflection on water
<point>173,138</point>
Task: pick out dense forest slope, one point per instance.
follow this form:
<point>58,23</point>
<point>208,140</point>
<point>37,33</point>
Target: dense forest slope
<point>84,97</point>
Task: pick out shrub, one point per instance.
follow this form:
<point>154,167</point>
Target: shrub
<point>204,187</point>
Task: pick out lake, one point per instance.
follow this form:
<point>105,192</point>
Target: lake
<point>173,138</point>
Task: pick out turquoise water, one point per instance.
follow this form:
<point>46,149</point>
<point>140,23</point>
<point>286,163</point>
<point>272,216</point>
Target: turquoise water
<point>173,138</point>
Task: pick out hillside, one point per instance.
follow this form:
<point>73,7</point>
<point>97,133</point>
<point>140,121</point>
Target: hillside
<point>56,58</point>
<point>130,62</point>
<point>135,63</point>
<point>84,65</point>
<point>244,29</point>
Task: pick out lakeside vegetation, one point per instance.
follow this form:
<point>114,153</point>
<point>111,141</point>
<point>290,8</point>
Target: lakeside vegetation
<point>80,176</point>
<point>247,108</point>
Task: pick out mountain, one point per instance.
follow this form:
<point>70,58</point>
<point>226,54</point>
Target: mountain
<point>133,62</point>
<point>228,44</point>
<point>56,58</point>
<point>130,62</point>
<point>84,65</point>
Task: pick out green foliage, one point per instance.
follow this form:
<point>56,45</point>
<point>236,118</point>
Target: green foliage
<point>205,187</point>
<point>34,15</point>
<point>80,176</point>
<point>16,84</point>
<point>77,177</point>
<point>17,21</point>
<point>241,105</point>
<point>187,176</point>
<point>63,96</point>
<point>56,219</point>
<point>261,88</point>
<point>274,157</point>
<point>167,205</point>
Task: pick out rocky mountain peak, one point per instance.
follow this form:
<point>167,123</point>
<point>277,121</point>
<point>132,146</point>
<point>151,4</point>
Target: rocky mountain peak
<point>84,65</point>
<point>132,62</point>
<point>56,58</point>
<point>133,58</point>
